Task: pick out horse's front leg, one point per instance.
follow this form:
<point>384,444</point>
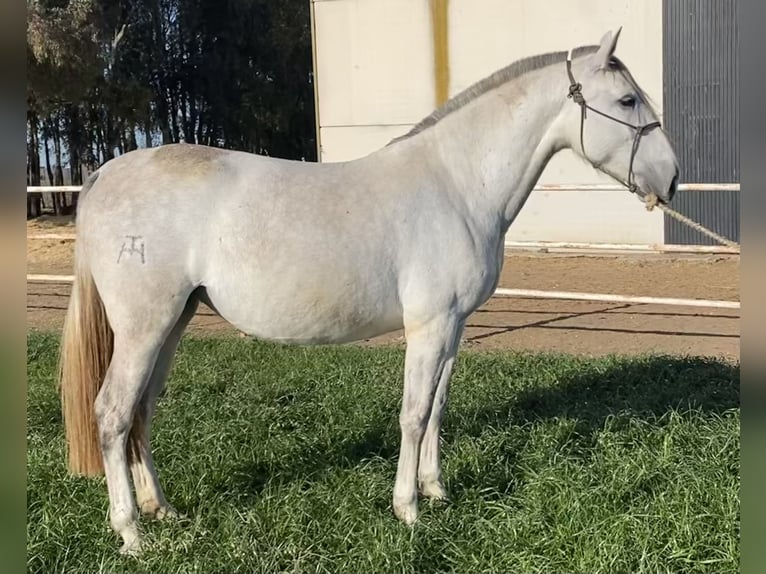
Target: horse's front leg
<point>429,349</point>
<point>429,469</point>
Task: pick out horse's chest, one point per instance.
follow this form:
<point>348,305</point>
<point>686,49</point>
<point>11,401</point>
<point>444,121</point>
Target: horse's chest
<point>481,286</point>
<point>477,279</point>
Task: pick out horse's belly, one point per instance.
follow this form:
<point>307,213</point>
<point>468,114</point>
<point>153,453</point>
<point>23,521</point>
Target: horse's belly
<point>316,315</point>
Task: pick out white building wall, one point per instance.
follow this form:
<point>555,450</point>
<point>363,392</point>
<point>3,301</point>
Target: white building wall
<point>375,80</point>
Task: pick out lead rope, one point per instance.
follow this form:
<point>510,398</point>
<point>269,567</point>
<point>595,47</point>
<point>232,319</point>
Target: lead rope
<point>651,202</point>
<point>650,199</point>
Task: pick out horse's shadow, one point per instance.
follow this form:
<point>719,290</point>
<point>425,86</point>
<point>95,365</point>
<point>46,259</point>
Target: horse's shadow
<point>644,389</point>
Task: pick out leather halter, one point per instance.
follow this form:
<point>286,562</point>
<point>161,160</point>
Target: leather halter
<point>575,93</point>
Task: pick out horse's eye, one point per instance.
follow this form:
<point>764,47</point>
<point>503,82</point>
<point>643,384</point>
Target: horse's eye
<point>628,102</point>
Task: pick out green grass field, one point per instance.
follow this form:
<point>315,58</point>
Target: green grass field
<point>283,458</point>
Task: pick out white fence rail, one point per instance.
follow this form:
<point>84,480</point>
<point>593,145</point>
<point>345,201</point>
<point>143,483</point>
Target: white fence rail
<point>53,188</point>
<point>609,298</point>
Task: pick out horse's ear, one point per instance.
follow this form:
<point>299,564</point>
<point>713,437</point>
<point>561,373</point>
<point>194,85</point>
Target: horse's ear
<point>606,47</point>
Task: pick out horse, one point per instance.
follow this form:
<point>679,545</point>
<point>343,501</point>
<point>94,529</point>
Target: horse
<point>410,236</point>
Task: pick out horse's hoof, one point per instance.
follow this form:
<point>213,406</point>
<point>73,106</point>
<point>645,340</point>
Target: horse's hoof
<point>132,548</point>
<point>166,513</point>
<point>154,511</point>
<point>434,490</point>
<point>406,512</point>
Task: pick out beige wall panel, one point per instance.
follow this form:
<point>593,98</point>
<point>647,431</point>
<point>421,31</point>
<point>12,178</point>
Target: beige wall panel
<point>374,61</point>
<point>587,216</point>
<point>486,35</point>
<point>346,143</point>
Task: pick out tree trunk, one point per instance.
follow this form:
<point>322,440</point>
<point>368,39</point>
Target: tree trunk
<point>108,137</point>
<point>48,168</point>
<point>58,174</point>
<point>34,200</point>
<point>200,126</point>
<point>192,126</point>
<point>100,145</point>
<point>132,140</point>
<point>148,129</point>
<point>57,197</point>
<point>119,137</point>
<point>184,133</point>
<point>163,119</point>
<point>174,119</point>
<point>74,144</point>
<point>160,65</point>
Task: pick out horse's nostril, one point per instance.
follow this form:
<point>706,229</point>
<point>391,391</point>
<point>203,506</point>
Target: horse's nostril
<point>673,187</point>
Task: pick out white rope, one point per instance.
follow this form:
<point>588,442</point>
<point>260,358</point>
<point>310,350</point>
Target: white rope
<point>652,201</point>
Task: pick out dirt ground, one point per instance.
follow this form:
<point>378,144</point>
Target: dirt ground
<point>577,327</point>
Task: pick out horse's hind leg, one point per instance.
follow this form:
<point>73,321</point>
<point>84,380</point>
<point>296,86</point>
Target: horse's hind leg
<point>149,496</point>
<point>139,334</point>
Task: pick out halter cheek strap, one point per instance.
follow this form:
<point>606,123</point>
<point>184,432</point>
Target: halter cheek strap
<point>575,94</point>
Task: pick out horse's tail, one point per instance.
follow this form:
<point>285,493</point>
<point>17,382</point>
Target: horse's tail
<point>86,350</point>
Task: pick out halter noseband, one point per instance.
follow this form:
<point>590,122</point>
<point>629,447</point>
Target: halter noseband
<point>575,93</point>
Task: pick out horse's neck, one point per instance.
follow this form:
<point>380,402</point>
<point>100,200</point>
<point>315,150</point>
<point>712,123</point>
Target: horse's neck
<point>496,147</point>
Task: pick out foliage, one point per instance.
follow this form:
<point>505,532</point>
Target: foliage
<point>108,76</point>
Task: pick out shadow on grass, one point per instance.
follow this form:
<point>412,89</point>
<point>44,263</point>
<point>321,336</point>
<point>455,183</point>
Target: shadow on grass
<point>377,442</point>
<point>643,388</point>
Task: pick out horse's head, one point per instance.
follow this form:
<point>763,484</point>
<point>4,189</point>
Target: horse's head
<point>609,122</point>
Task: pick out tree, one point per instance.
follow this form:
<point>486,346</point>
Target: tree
<point>105,76</point>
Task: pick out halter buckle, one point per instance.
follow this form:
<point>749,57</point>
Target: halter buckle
<point>575,93</point>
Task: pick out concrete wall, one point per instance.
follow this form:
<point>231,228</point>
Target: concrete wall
<point>375,79</point>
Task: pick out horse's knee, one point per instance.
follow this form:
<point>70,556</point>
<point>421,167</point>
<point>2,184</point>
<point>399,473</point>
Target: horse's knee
<point>413,422</point>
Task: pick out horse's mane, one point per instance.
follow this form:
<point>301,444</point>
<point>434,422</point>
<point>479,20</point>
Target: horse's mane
<point>493,81</point>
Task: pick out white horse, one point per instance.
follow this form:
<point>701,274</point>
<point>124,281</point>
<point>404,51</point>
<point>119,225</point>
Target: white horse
<point>410,236</point>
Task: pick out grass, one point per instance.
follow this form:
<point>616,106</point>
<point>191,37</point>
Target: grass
<point>283,460</point>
